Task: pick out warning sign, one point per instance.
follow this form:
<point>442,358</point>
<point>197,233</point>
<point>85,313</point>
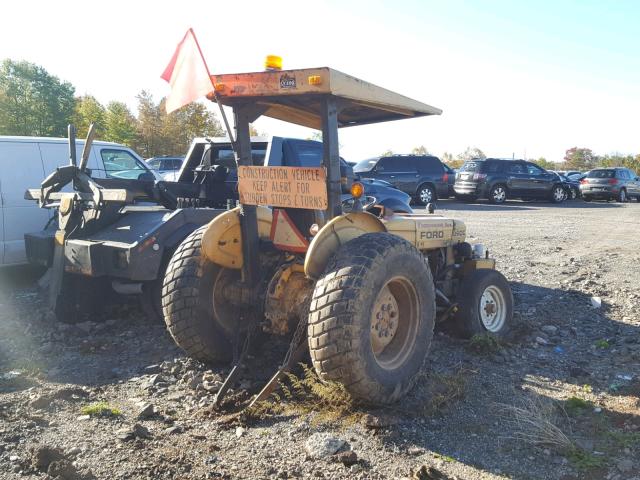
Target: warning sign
<point>287,187</point>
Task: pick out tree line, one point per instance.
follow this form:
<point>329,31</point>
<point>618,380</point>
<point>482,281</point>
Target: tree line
<point>35,103</point>
<point>582,159</point>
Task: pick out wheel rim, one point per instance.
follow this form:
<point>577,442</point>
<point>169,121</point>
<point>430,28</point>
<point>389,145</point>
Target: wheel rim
<point>394,323</point>
<point>499,194</point>
<point>558,194</point>
<point>492,309</point>
<point>426,195</point>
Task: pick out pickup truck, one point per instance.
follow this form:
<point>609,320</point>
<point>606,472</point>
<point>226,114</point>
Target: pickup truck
<point>127,248</point>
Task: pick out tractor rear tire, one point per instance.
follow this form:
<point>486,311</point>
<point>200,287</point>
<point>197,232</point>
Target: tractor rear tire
<point>188,305</point>
<point>486,290</point>
<point>376,286</point>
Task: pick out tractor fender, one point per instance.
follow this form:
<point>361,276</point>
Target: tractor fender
<point>335,234</point>
<point>222,240</point>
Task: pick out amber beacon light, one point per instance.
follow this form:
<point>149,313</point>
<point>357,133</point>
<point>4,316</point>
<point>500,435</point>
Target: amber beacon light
<point>273,62</point>
<point>357,189</point>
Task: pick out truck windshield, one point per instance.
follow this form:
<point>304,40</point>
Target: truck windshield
<point>365,165</point>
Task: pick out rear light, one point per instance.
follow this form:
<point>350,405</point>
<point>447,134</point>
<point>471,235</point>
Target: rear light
<point>445,178</point>
<point>583,181</point>
<point>613,181</point>
<point>479,176</point>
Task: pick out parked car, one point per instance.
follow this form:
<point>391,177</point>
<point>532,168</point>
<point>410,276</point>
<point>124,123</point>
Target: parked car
<point>499,179</point>
<point>568,173</point>
<point>572,187</point>
<point>26,161</point>
<point>617,183</point>
<point>424,177</point>
<point>167,167</point>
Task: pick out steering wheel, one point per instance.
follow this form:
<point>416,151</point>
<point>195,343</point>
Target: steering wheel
<point>367,202</point>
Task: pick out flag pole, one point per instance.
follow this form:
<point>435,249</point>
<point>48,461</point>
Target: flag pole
<point>216,96</point>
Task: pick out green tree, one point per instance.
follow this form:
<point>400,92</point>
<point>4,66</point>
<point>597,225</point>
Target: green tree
<point>471,153</point>
<point>421,150</point>
<point>152,127</point>
<point>120,124</point>
<point>88,110</point>
<point>546,164</point>
<point>33,102</point>
<point>183,125</point>
<point>387,153</point>
<point>580,159</point>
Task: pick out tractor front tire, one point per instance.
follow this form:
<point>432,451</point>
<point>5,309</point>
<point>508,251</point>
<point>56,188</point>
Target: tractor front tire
<point>485,304</point>
<point>188,306</point>
<point>372,316</point>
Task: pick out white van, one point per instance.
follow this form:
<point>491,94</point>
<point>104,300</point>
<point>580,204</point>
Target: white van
<point>26,161</point>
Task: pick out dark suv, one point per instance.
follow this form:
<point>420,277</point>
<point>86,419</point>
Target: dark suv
<point>424,177</point>
<point>498,179</point>
<point>610,183</point>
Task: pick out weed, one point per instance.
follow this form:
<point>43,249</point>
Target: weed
<point>444,390</point>
<point>330,401</point>
<point>100,409</point>
<point>444,458</point>
<point>484,344</point>
<point>536,423</point>
<point>583,460</point>
<point>586,388</point>
<point>602,344</point>
<point>576,405</point>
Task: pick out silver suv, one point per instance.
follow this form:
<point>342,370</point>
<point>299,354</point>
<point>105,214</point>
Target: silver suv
<point>617,183</point>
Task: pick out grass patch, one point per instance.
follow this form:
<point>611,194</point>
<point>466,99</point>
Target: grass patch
<point>575,405</point>
<point>444,458</point>
<point>602,344</point>
<point>298,395</point>
<point>585,460</point>
<point>586,388</point>
<point>484,344</point>
<point>444,390</point>
<point>624,439</point>
<point>100,409</point>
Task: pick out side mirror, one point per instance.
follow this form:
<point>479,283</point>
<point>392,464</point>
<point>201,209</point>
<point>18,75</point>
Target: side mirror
<point>146,176</point>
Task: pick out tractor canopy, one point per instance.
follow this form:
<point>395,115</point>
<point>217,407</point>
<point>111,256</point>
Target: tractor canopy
<point>296,96</point>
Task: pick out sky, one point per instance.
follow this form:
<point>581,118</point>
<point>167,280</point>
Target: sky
<point>513,78</point>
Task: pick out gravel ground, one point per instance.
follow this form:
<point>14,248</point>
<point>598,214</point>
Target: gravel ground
<point>116,399</point>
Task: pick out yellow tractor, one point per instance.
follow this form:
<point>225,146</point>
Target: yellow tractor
<point>358,284</point>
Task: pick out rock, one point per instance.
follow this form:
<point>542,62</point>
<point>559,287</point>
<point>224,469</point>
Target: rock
<point>415,451</point>
<point>549,329</point>
<point>320,445</point>
<point>141,431</point>
<point>428,473</point>
<point>125,434</point>
<point>42,457</point>
<point>83,418</point>
<point>596,302</point>
<point>379,421</point>
<point>585,444</point>
<point>347,458</point>
<point>597,410</point>
<point>147,410</point>
<point>240,431</point>
<point>14,458</point>
<point>211,386</point>
<point>75,451</point>
<point>173,430</point>
<point>625,465</point>
<point>63,470</point>
<point>41,402</point>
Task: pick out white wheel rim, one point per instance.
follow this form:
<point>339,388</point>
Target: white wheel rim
<point>492,309</point>
<point>559,194</point>
<point>425,195</point>
<point>499,194</point>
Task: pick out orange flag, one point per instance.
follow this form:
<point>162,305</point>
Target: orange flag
<point>187,74</point>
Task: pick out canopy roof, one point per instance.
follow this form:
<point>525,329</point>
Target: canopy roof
<point>295,96</point>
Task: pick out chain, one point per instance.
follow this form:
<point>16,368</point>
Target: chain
<point>297,339</point>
